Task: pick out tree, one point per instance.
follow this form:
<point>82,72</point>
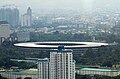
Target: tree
<point>27,78</point>
<point>2,77</point>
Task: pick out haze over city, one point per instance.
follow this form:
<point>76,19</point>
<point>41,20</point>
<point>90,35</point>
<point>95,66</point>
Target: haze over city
<point>59,39</point>
<point>69,4</point>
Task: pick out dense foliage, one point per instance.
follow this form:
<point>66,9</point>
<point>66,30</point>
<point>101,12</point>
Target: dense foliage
<point>2,77</point>
<point>56,36</point>
<point>103,56</point>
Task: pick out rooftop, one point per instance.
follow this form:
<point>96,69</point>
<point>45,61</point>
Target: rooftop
<point>27,72</point>
<point>98,69</point>
<point>3,22</point>
<point>54,45</point>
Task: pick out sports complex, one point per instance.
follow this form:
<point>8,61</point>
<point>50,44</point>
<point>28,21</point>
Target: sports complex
<point>54,45</point>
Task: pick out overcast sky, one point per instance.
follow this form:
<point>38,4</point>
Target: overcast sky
<point>87,4</point>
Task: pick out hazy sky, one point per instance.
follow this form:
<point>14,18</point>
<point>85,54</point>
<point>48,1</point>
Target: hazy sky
<point>82,4</point>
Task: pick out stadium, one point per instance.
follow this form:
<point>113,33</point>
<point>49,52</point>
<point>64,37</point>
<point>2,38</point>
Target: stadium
<point>54,45</point>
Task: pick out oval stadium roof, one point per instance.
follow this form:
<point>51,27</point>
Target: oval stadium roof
<point>55,45</point>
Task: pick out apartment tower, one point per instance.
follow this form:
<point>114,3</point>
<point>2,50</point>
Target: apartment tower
<point>61,65</point>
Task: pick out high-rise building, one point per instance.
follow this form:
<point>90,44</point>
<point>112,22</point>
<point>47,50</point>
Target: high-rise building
<point>15,16</point>
<point>11,15</point>
<point>26,19</point>
<point>29,12</point>
<point>43,68</point>
<point>61,65</point>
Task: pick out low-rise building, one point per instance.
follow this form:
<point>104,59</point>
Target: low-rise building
<point>4,31</point>
<point>98,71</point>
<point>33,73</point>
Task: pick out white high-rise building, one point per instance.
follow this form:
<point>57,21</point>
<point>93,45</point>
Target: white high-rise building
<point>43,68</point>
<point>26,19</point>
<point>61,65</point>
<point>29,13</point>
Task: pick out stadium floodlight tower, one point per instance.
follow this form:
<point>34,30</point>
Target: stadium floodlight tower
<point>61,63</point>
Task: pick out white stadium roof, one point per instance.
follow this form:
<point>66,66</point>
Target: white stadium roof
<point>54,45</point>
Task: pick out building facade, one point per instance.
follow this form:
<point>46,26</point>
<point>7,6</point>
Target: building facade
<point>98,71</point>
<point>4,31</point>
<point>61,64</point>
<point>26,19</point>
<point>29,12</point>
<point>43,68</point>
<point>10,74</point>
<point>11,15</point>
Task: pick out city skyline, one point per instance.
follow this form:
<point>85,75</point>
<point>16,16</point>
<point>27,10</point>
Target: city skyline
<point>10,15</point>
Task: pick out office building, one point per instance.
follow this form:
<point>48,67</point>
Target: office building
<point>11,15</point>
<point>29,12</point>
<point>62,65</point>
<point>43,68</point>
<point>26,19</point>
